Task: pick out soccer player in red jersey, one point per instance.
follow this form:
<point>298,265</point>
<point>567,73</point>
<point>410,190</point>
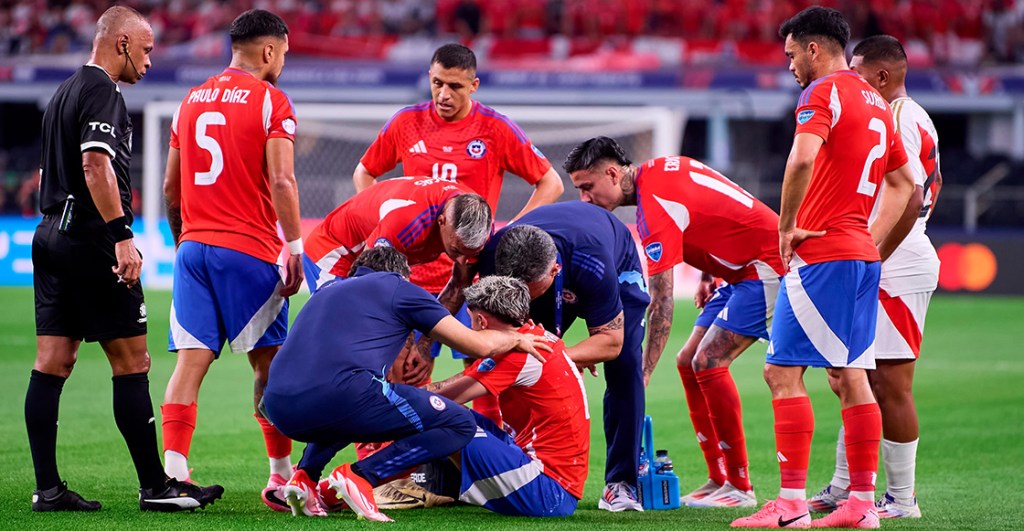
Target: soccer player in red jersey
<point>688,212</point>
<point>910,273</point>
<point>230,180</point>
<point>422,217</point>
<point>455,138</point>
<point>825,314</point>
<point>543,463</point>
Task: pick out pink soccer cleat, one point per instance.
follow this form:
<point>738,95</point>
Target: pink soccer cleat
<point>357,492</point>
<point>778,513</point>
<point>273,495</point>
<point>854,514</point>
<point>301,495</point>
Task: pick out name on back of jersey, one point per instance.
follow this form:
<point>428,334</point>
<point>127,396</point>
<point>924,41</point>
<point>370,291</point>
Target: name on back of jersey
<point>873,98</point>
<point>210,95</point>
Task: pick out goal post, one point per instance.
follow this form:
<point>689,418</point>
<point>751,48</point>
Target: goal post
<point>331,138</point>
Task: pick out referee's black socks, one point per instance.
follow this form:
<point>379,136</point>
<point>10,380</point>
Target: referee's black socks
<point>133,413</point>
<point>42,402</point>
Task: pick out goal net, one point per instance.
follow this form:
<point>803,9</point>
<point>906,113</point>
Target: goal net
<point>332,138</point>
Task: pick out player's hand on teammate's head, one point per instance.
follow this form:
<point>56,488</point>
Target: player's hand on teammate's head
<point>129,262</point>
<point>293,275</point>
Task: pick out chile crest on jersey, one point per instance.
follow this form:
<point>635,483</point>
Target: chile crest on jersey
<point>476,148</point>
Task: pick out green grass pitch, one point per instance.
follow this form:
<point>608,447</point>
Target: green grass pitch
<point>970,393</point>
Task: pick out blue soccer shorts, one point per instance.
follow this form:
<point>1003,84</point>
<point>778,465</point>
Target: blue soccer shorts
<point>222,295</point>
<point>825,316</point>
<point>499,476</point>
<point>744,308</point>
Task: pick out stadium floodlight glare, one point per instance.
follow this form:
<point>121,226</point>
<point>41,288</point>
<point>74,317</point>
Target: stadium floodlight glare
<point>331,138</point>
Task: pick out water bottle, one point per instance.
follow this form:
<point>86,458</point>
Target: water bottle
<point>645,466</point>
<point>662,462</point>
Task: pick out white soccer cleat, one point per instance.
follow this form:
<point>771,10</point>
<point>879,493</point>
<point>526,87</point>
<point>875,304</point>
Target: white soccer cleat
<point>890,507</point>
<point>619,497</point>
<point>357,492</point>
<point>727,496</point>
<point>828,499</point>
<point>700,493</point>
<point>300,494</point>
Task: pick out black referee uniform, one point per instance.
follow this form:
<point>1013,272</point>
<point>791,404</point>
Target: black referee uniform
<point>77,295</point>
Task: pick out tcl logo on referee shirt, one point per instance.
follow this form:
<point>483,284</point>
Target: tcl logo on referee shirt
<point>103,127</point>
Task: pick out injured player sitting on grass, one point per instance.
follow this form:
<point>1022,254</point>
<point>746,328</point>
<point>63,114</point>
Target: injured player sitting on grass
<point>538,464</point>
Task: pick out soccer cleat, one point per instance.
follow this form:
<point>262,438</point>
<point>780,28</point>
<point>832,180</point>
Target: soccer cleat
<point>828,499</point>
<point>330,501</point>
<point>178,496</point>
<point>702,492</point>
<point>618,497</point>
<point>300,493</point>
<point>61,498</point>
<point>406,494</point>
<point>778,513</point>
<point>851,514</point>
<point>727,496</point>
<point>357,492</point>
<point>273,495</point>
<point>890,507</point>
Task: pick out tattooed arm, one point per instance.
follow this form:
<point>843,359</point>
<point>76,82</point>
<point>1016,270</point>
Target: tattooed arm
<point>659,320</point>
<point>459,388</point>
<point>604,343</point>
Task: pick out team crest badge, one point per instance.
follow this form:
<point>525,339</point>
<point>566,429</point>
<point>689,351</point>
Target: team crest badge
<point>437,403</point>
<point>476,148</point>
<point>486,365</point>
<point>653,251</point>
<point>568,296</point>
<point>803,116</point>
<point>289,126</point>
<point>382,242</point>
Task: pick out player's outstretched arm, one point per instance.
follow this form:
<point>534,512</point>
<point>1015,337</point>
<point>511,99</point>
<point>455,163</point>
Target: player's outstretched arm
<point>659,320</point>
<point>899,187</point>
<point>547,190</point>
<point>486,343</point>
<point>284,192</point>
<point>102,184</point>
<point>459,388</point>
<point>604,343</point>
<point>799,167</point>
<point>895,237</point>
<point>172,192</point>
<point>362,178</point>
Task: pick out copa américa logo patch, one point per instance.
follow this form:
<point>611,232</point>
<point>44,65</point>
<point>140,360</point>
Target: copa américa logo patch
<point>289,126</point>
<point>486,365</point>
<point>653,251</point>
<point>437,403</point>
<point>382,242</point>
<point>537,151</point>
<point>803,116</point>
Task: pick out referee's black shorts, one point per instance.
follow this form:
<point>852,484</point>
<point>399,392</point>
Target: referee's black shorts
<point>77,293</point>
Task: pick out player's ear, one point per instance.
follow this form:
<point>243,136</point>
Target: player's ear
<point>883,77</point>
<point>475,85</point>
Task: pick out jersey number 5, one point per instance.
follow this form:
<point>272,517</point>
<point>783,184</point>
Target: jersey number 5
<point>206,178</point>
<point>867,187</point>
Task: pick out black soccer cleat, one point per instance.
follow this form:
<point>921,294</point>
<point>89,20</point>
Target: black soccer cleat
<point>178,496</point>
<point>61,498</point>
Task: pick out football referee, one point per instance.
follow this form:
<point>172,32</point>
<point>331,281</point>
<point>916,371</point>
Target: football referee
<point>87,268</point>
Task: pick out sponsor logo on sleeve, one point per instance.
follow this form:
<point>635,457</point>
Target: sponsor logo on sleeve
<point>476,148</point>
<point>803,116</point>
<point>653,251</point>
<point>486,365</point>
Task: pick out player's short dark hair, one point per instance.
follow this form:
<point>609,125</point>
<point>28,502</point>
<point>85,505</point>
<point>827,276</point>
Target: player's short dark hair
<point>506,298</point>
<point>382,259</point>
<point>593,151</point>
<point>881,48</point>
<point>817,21</point>
<point>454,55</point>
<point>525,252</point>
<point>256,23</point>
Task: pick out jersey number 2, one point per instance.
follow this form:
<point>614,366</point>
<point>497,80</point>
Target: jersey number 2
<point>206,178</point>
<point>867,187</point>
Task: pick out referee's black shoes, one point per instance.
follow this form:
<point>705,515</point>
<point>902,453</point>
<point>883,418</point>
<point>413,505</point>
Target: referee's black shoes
<point>61,498</point>
<point>178,496</point>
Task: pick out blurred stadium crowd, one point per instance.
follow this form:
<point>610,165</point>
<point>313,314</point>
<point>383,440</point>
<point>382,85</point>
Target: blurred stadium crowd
<point>936,31</point>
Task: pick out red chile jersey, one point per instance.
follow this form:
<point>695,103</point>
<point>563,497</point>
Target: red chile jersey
<point>475,151</point>
<point>688,212</point>
<point>861,146</point>
<point>397,212</point>
<point>221,129</point>
<point>546,405</point>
